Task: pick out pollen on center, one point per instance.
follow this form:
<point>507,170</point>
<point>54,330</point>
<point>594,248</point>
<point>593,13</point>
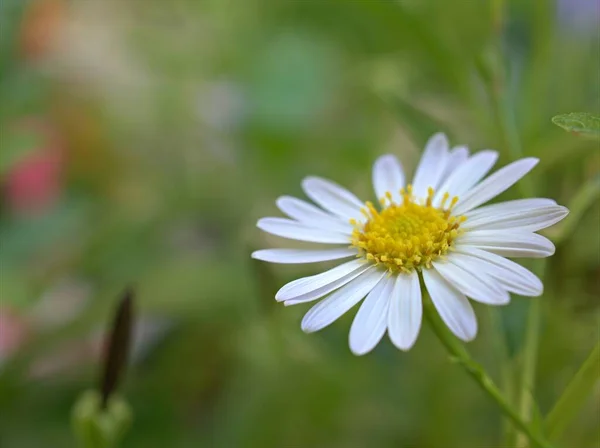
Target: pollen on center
<point>407,236</point>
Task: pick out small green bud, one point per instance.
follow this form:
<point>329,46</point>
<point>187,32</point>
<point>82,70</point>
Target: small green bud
<point>96,427</point>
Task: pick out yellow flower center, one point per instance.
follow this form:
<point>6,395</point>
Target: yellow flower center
<point>407,236</point>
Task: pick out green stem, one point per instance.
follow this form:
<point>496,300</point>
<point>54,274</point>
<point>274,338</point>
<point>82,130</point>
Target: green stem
<point>574,396</point>
<point>530,355</point>
<point>461,356</point>
<point>529,364</point>
<point>497,13</point>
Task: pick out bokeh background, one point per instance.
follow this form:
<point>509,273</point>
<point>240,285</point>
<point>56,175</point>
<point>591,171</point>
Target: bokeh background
<point>141,141</point>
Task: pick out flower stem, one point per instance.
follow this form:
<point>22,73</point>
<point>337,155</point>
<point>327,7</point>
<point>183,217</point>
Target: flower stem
<point>462,357</point>
<point>530,354</point>
<point>529,365</point>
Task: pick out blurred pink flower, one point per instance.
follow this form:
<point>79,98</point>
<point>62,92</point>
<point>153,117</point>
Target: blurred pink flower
<point>34,183</point>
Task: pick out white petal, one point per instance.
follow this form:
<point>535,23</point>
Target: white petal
<point>512,276</point>
<point>461,273</point>
<point>530,220</point>
<point>406,311</point>
<point>432,165</point>
<point>294,230</point>
<point>452,306</point>
<point>334,306</point>
<point>312,216</point>
<point>388,176</point>
<point>332,197</point>
<point>370,322</point>
<point>467,175</point>
<point>517,205</point>
<point>456,158</point>
<point>495,184</point>
<point>293,256</point>
<point>315,286</point>
<point>508,243</point>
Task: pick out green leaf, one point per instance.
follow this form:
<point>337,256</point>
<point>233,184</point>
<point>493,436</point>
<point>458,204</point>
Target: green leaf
<point>579,123</point>
<point>575,395</point>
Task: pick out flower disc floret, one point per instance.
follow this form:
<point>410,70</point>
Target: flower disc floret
<point>407,236</point>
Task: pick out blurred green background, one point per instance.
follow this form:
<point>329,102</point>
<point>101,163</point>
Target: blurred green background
<point>141,141</point>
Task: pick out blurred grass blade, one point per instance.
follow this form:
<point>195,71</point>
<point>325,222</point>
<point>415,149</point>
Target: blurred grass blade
<point>574,396</point>
<point>500,347</point>
<point>118,346</point>
<point>579,123</point>
<point>416,122</point>
<point>588,193</point>
<point>266,284</point>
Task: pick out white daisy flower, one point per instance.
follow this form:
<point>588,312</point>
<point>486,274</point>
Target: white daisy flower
<point>433,229</point>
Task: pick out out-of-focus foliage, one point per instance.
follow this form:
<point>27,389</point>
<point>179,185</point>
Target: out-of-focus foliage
<point>142,140</point>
